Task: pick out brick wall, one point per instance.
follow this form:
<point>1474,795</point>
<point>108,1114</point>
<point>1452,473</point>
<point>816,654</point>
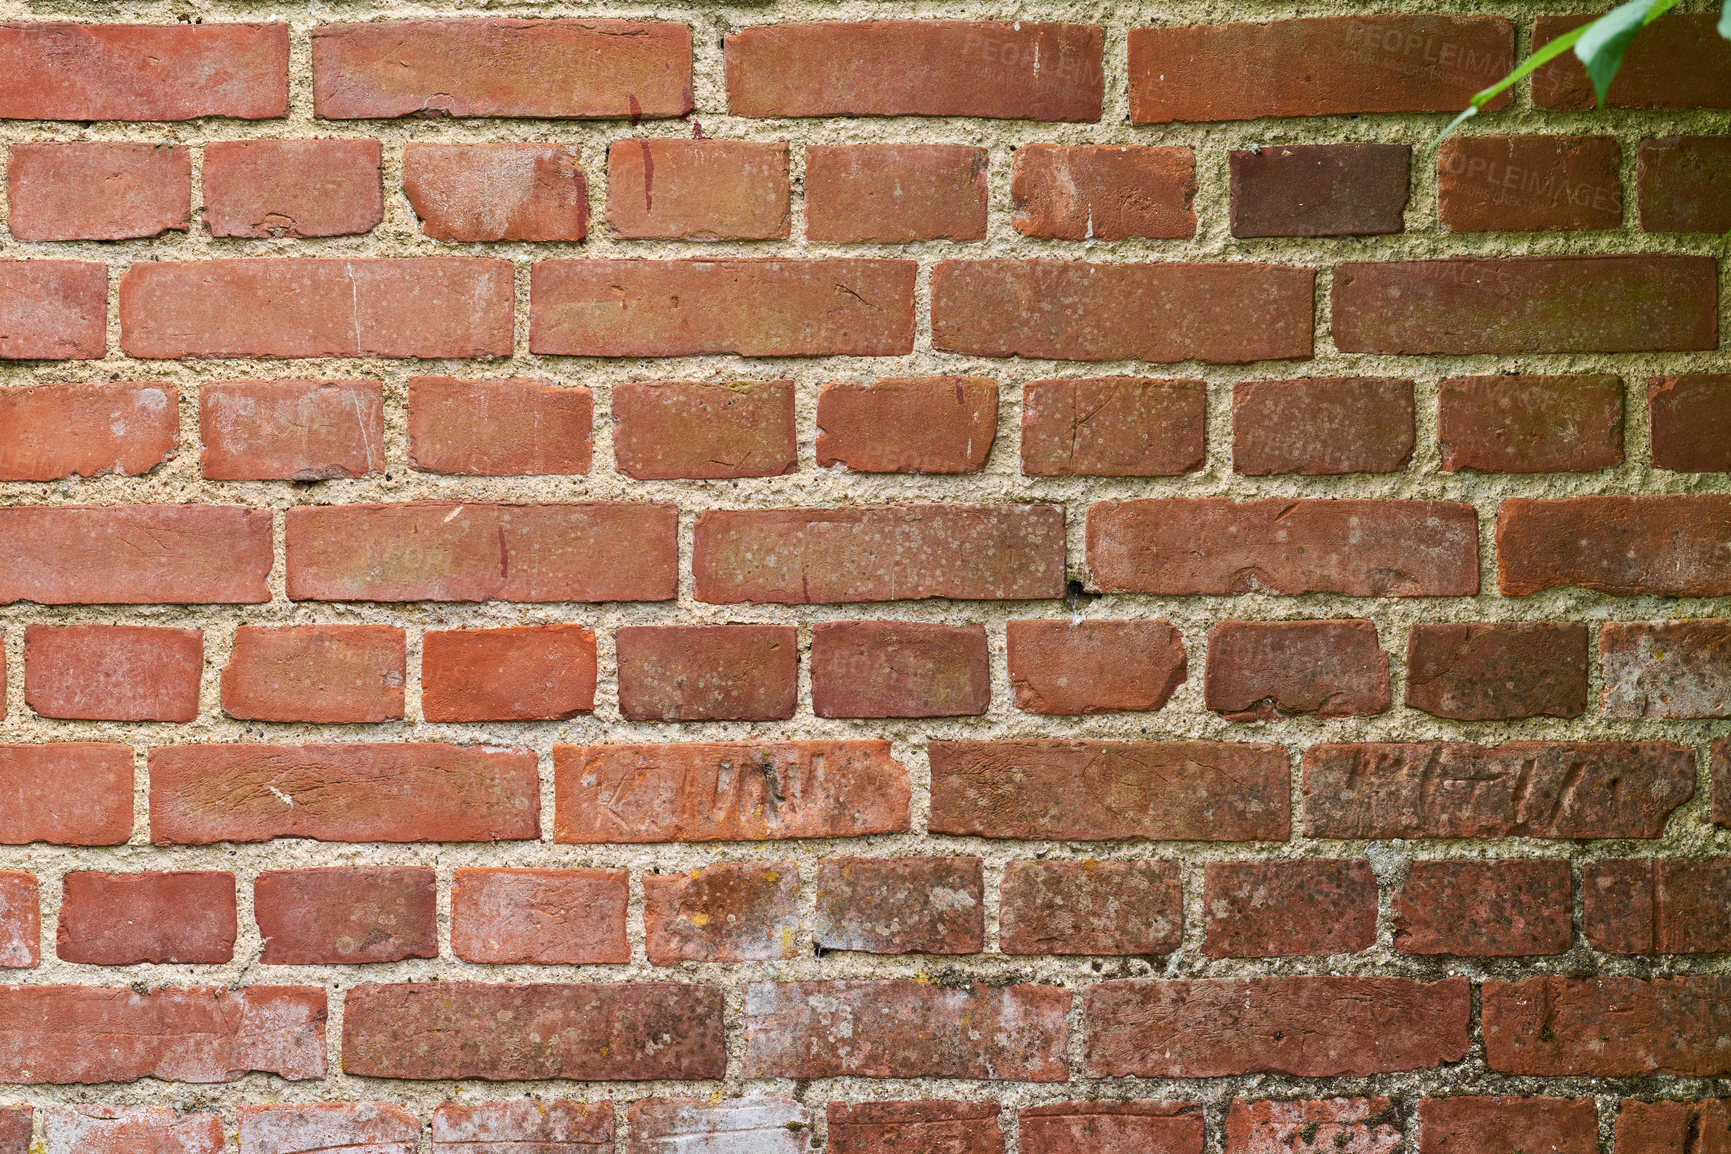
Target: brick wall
<point>735,579</point>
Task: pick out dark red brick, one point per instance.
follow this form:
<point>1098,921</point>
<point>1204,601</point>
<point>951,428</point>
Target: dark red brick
<point>1325,426</point>
<point>52,310</point>
<point>1263,670</point>
<point>1113,427</point>
<point>1629,546</point>
<point>894,1127</point>
<point>899,669</point>
<point>1657,905</point>
<point>346,915</point>
<point>727,912</point>
<point>519,427</point>
<point>1683,183</point>
<point>564,917</point>
<point>1666,668</point>
<point>514,673</point>
<point>1529,183</point>
<point>676,430</point>
<point>894,193</point>
<point>1074,667</point>
<point>698,189</point>
<point>908,425</point>
<point>1357,189</point>
<point>1276,909</point>
<point>1101,192</point>
<point>1608,1026</point>
<point>1690,417</point>
<point>97,191</point>
<point>910,905</point>
<point>1471,1125</point>
<point>1498,909</point>
<point>1332,1126</point>
<point>487,192</point>
<point>291,430</point>
<point>1674,1127</point>
<point>122,919</point>
<point>1530,424</point>
<point>293,188</point>
<point>1500,671</point>
<point>707,672</point>
<point>57,431</point>
<point>1091,907</point>
<point>65,793</point>
<point>1677,62</point>
<point>328,674</point>
<point>113,672</point>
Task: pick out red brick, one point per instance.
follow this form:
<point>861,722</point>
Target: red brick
<point>894,1127</point>
<point>1470,1125</point>
<point>346,915</point>
<point>560,1126</point>
<point>53,310</point>
<point>1455,789</point>
<point>65,793</point>
<point>1215,545</point>
<point>127,1130</point>
<point>72,1034</point>
<point>727,912</point>
<point>1070,310</point>
<point>122,919</point>
<point>810,556</point>
<point>113,672</point>
<point>97,191</point>
<point>1658,906</point>
<point>1325,426</point>
<point>895,193</point>
<point>339,1127</point>
<point>692,430</point>
<point>1110,790</point>
<point>566,917</point>
<point>1674,1127</point>
<point>1104,1127</point>
<point>59,71</point>
<point>584,69</point>
<point>355,791</point>
<point>727,791</point>
<point>1357,189</point>
<point>707,672</point>
<point>448,551</point>
<point>1498,909</point>
<point>1071,667</point>
<point>20,926</point>
<point>1690,417</point>
<point>1263,670</point>
<point>1666,668</point>
<point>910,905</point>
<point>1099,192</point>
<point>1529,183</point>
<point>590,1031</point>
<point>1277,909</point>
<point>697,189</point>
<point>291,430</point>
<point>905,1028</point>
<point>755,308</point>
<point>1113,427</point>
<point>1611,1026</point>
<point>1310,1027</point>
<point>292,188</point>
<point>1499,671</point>
<point>1530,424</point>
<point>1334,1126</point>
<point>317,307</point>
<point>56,431</point>
<point>329,674</point>
<point>17,1125</point>
<point>908,425</point>
<point>1677,62</point>
<point>1682,182</point>
<point>135,554</point>
<point>899,669</point>
<point>1351,64</point>
<point>1533,304</point>
<point>1091,907</point>
<point>1019,71</point>
<point>1629,546</point>
<point>482,192</point>
<point>517,427</point>
<point>706,1126</point>
<point>515,673</point>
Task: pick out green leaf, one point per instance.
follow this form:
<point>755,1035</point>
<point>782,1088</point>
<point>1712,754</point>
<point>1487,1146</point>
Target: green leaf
<point>1604,41</point>
<point>1725,21</point>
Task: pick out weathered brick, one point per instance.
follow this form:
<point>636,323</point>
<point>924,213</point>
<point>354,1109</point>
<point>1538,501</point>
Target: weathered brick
<point>317,307</point>
<point>485,192</point>
<point>517,427</point>
<point>121,919</point>
<point>1162,312</point>
<point>1113,427</point>
<point>17,1125</point>
<point>727,791</point>
<point>65,793</point>
<point>1263,670</point>
<point>1110,790</point>
<point>895,193</point>
<point>589,1031</point>
<point>1497,671</point>
<point>1673,1127</point>
<point>1276,909</point>
<point>53,310</point>
<point>761,1125</point>
<point>557,1126</point>
<point>1334,1126</point>
<point>1074,667</point>
<point>127,1130</point>
<point>338,1127</point>
<point>899,669</point>
<point>1111,1127</point>
<point>1629,546</point>
<point>697,431</point>
<point>892,1127</point>
<point>585,69</point>
<point>1719,764</point>
<point>1099,192</point>
<point>292,188</point>
<point>1356,189</point>
<point>354,791</point>
<point>1530,424</point>
<point>707,672</point>
<point>727,912</point>
<point>514,673</point>
<point>917,68</point>
<point>1690,417</point>
<point>1453,789</point>
<point>1529,183</point>
<point>755,308</point>
<point>908,425</point>
<point>1219,546</point>
<point>56,431</point>
<point>1682,182</point>
<point>135,554</point>
<point>697,189</point>
<point>1310,1027</point>
<point>1350,65</point>
<point>565,917</point>
<point>1677,62</point>
<point>1474,1125</point>
<point>1499,909</point>
<point>450,551</point>
<point>346,915</point>
<point>1610,1026</point>
<point>97,191</point>
<point>1527,304</point>
<point>113,672</point>
<point>328,674</point>
<point>1091,907</point>
<point>20,929</point>
<point>910,905</point>
<point>1657,905</point>
<point>1666,668</point>
<point>809,556</point>
<point>904,1028</point>
<point>291,430</point>
<point>1323,426</point>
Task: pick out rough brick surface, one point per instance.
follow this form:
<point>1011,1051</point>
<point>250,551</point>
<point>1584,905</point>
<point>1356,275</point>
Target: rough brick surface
<point>692,431</point>
<point>1113,427</point>
<point>97,191</point>
<point>56,431</point>
<point>1077,667</point>
<point>770,1125</point>
<point>899,669</point>
<point>39,806</point>
<point>1652,1127</point>
<point>518,673</point>
<point>887,1127</point>
<point>729,912</point>
<point>1086,192</point>
<point>564,1125</point>
<point>707,672</point>
<point>1112,1127</point>
<point>1498,909</point>
<point>1681,63</point>
<point>129,1130</point>
<point>374,1127</point>
<point>1258,671</point>
<point>476,192</point>
<point>554,917</point>
<point>1681,182</point>
<point>1091,907</point>
<point>1669,545</point>
<point>895,193</point>
<point>134,554</point>
<point>1337,1125</point>
<point>1320,190</point>
<point>1529,183</point>
<point>52,310</point>
<point>1689,418</point>
<point>319,673</point>
<point>1482,671</point>
<point>113,672</point>
<point>346,915</point>
<point>1666,669</point>
<point>20,921</point>
<point>492,428</point>
<point>697,189</point>
<point>907,425</point>
<point>1657,906</point>
<point>1286,908</point>
<point>1323,426</point>
<point>923,905</point>
<point>294,188</point>
<point>291,430</point>
<point>1475,1125</point>
<point>1607,1025</point>
<point>1528,424</point>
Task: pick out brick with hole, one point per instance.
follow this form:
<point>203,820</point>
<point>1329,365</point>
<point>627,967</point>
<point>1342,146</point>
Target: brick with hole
<point>292,188</point>
<point>122,919</point>
<point>135,554</point>
<point>762,1125</point>
<point>1497,671</point>
<point>1681,62</point>
<point>1468,1124</point>
<point>662,188</point>
<point>516,427</point>
<point>20,921</point>
<point>1070,667</point>
<point>1330,1126</point>
<point>1667,545</point>
<point>1690,419</point>
<point>899,669</point>
<point>346,915</point>
<point>1356,189</point>
<point>291,430</point>
<point>487,192</point>
<point>1091,907</point>
<point>689,430</point>
<point>113,672</point>
<point>1663,1127</point>
<point>547,916</point>
<point>1533,183</point>
<point>1098,192</point>
<point>909,905</point>
<point>563,1125</point>
<point>907,424</point>
<point>98,191</point>
<point>1673,669</point>
<point>726,912</point>
<point>513,673</point>
<point>1111,1127</point>
<point>894,193</point>
<point>53,310</point>
<point>1657,905</point>
<point>372,1127</point>
<point>127,1130</point>
<point>1113,427</point>
<point>1681,183</point>
<point>1607,1026</point>
<point>891,1127</point>
<point>78,430</point>
<point>327,674</point>
<point>1519,907</point>
<point>65,793</point>
<point>1266,670</point>
<point>1277,909</point>
<point>1323,426</point>
<point>1530,424</point>
<point>707,672</point>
